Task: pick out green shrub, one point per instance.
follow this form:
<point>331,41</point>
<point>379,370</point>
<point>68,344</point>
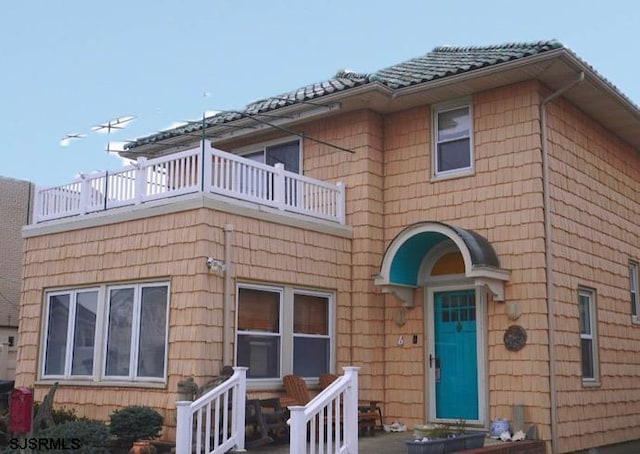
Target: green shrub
<point>135,423</point>
<point>79,436</point>
<point>60,415</point>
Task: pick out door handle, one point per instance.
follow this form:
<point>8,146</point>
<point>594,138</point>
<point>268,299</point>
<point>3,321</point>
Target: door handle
<point>430,360</point>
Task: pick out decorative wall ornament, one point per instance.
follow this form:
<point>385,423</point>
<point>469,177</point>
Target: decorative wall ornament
<point>515,337</point>
<point>400,316</point>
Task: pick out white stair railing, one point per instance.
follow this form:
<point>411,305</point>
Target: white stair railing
<point>214,423</point>
<point>330,419</point>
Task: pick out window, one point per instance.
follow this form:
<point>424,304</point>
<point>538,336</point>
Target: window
<point>70,333</point>
<point>311,341</point>
<point>633,288</point>
<point>136,332</point>
<point>110,333</point>
<point>282,330</point>
<point>259,331</point>
<point>287,154</point>
<point>452,144</point>
<point>586,306</point>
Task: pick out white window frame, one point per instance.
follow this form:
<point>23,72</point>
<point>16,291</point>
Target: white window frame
<point>68,361</point>
<point>134,347</point>
<point>329,335</point>
<point>279,334</point>
<point>286,329</point>
<point>592,336</point>
<point>262,148</point>
<point>101,333</point>
<point>435,111</point>
<point>633,291</point>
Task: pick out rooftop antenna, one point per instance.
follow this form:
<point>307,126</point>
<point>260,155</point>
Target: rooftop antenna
<point>107,127</point>
<point>66,140</point>
<point>113,125</point>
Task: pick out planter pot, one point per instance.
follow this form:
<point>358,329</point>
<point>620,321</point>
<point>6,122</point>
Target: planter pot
<point>473,440</point>
<point>469,440</point>
<point>142,447</point>
<point>426,447</point>
<point>498,426</point>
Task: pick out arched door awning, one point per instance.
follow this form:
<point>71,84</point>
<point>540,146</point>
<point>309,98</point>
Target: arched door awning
<point>403,257</point>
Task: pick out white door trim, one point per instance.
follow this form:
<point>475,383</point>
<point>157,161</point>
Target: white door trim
<point>481,349</point>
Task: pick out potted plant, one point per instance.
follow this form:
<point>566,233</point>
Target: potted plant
<point>444,438</point>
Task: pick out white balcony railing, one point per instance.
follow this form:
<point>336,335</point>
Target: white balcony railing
<point>182,173</point>
<point>214,423</point>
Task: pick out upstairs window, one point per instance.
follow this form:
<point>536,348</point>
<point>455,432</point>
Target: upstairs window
<point>633,288</point>
<point>287,153</point>
<point>452,140</point>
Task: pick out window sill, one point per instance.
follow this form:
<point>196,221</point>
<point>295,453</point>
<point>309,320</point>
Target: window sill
<point>590,383</point>
<point>102,384</point>
<point>452,175</point>
<point>275,384</point>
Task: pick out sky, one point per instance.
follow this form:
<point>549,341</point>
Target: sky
<point>69,65</point>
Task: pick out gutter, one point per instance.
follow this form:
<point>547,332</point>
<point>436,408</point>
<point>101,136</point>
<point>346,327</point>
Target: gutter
<point>227,330</point>
<point>481,72</point>
<point>548,246</point>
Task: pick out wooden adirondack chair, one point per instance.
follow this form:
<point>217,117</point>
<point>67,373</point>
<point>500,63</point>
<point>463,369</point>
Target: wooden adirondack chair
<point>365,408</point>
<point>266,422</point>
<point>297,393</point>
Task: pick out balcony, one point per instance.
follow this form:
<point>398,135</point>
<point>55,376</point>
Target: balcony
<point>203,169</point>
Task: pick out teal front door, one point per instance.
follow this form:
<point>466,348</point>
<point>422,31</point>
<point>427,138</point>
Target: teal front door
<point>456,360</point>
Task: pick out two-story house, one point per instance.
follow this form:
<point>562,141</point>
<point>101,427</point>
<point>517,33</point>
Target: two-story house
<point>465,226</point>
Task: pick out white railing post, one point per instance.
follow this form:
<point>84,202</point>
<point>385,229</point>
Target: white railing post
<point>204,173</point>
<point>183,427</point>
<point>239,408</point>
<point>279,186</point>
<point>297,431</point>
<point>140,183</point>
<point>85,188</point>
<point>340,202</point>
<point>351,409</point>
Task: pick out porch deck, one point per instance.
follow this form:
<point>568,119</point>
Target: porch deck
<point>394,443</point>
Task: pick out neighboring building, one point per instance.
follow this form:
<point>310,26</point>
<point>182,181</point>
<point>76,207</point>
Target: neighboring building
<point>15,212</point>
<point>482,254</point>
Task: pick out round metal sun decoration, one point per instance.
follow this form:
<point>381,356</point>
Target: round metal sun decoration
<point>515,337</point>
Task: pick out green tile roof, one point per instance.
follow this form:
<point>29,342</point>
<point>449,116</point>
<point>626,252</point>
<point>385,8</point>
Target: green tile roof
<point>441,62</point>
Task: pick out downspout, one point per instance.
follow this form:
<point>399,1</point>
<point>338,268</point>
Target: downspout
<point>227,328</point>
<point>549,258</point>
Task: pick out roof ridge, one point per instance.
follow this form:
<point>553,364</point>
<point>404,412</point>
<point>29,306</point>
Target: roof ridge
<point>550,44</point>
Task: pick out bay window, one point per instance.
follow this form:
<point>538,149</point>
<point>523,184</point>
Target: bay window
<point>107,333</point>
<point>283,330</point>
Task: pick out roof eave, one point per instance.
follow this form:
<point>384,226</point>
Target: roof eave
<point>555,69</point>
<point>244,127</point>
